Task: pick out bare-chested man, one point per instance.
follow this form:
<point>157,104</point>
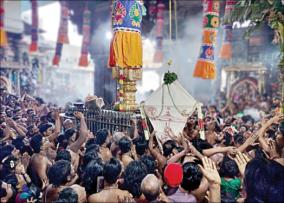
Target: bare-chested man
<point>110,192</point>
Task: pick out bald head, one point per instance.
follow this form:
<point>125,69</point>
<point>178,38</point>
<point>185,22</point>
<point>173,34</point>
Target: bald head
<point>150,187</point>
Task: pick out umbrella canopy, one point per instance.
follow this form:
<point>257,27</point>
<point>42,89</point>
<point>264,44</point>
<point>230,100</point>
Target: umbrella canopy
<point>168,108</point>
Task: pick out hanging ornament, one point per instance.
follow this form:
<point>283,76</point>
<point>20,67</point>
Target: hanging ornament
<point>83,61</point>
<point>205,66</point>
<point>226,48</point>
<point>3,34</point>
<point>34,30</point>
<point>125,56</point>
<point>158,56</point>
<point>62,37</point>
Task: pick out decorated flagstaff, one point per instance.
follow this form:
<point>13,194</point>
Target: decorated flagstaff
<point>205,66</point>
<point>125,56</point>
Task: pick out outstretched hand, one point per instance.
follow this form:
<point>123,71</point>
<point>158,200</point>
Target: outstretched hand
<point>79,115</point>
<point>210,172</point>
<point>241,159</point>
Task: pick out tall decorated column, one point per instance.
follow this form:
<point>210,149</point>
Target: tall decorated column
<point>205,66</point>
<point>125,56</point>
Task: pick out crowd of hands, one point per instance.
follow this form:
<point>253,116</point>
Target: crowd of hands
<point>24,118</point>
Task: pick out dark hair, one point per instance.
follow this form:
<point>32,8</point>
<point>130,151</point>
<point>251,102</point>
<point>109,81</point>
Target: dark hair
<point>92,147</point>
<point>141,146</point>
<point>133,176</point>
<point>191,176</point>
<point>168,147</point>
<point>112,170</point>
<point>93,170</point>
<point>44,127</point>
<point>6,151</point>
<point>59,172</point>
<point>101,136</point>
<point>90,142</point>
<point>263,181</point>
<point>228,168</point>
<point>62,141</point>
<point>89,156</point>
<point>67,195</point>
<point>228,139</point>
<point>124,144</point>
<point>36,142</point>
<point>150,163</point>
<point>69,133</point>
<point>63,155</point>
<point>239,139</point>
<point>200,144</point>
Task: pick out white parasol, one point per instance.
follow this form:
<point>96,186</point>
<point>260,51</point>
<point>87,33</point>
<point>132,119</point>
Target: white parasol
<point>168,108</point>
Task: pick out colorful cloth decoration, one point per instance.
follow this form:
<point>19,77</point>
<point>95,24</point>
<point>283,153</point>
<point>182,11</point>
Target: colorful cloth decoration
<point>125,56</point>
<point>83,61</point>
<point>158,57</point>
<point>226,48</point>
<point>205,66</point>
<point>62,37</point>
<point>126,45</point>
<point>34,31</point>
<point>3,34</point>
<point>63,28</point>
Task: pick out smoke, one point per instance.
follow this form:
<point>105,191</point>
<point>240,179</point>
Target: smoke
<point>184,51</point>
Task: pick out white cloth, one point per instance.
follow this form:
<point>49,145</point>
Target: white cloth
<point>169,107</point>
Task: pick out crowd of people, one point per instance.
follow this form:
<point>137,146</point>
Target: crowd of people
<point>46,157</point>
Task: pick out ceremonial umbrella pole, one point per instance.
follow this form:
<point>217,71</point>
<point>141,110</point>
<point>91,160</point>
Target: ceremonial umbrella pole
<point>125,56</point>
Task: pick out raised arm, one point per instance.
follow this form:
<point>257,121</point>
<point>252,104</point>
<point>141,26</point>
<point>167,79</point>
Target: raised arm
<point>57,128</point>
<point>15,126</point>
<point>179,155</point>
<point>264,145</point>
<point>161,159</point>
<point>210,172</point>
<point>83,133</point>
<point>211,151</point>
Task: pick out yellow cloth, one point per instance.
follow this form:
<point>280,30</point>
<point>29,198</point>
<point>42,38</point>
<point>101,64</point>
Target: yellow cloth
<point>126,50</point>
<point>3,38</point>
<point>205,70</point>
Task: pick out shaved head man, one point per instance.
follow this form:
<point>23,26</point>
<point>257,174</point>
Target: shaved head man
<point>150,187</point>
